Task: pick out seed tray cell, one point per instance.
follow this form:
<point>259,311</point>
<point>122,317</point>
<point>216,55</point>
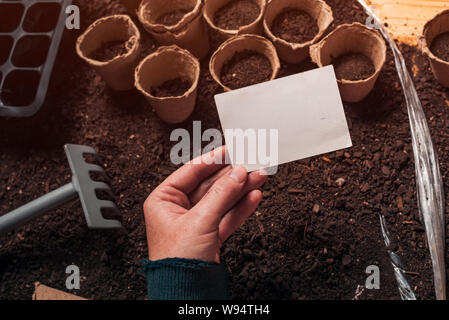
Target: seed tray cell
<point>30,34</point>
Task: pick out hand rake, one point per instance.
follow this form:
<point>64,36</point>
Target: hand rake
<point>82,186</point>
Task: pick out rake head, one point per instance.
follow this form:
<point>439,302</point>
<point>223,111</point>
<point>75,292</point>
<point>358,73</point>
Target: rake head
<point>87,187</point>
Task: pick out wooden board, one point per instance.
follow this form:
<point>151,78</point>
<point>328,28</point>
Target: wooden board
<point>406,18</point>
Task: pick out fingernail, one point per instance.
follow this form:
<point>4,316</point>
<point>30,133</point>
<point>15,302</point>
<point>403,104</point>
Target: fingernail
<point>239,174</point>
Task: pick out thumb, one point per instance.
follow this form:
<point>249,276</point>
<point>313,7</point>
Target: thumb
<point>221,197</point>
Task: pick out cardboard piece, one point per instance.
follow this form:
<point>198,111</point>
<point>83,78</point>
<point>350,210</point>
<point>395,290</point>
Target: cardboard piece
<point>212,6</point>
<point>169,63</point>
<point>241,43</point>
<point>348,38</point>
<point>297,52</point>
<point>118,73</point>
<point>436,26</point>
<point>405,19</point>
<point>308,122</point>
<point>189,33</point>
<point>42,292</point>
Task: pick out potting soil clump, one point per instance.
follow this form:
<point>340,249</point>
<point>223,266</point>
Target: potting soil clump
<point>172,88</point>
<point>173,17</point>
<point>353,67</point>
<point>246,68</point>
<point>236,14</point>
<point>109,50</point>
<point>294,25</point>
<point>440,46</point>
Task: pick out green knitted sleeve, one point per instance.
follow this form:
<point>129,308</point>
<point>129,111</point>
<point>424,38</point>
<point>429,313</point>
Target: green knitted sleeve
<point>185,279</point>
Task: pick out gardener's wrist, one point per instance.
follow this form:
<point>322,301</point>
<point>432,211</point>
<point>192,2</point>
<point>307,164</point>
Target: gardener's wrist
<point>186,279</point>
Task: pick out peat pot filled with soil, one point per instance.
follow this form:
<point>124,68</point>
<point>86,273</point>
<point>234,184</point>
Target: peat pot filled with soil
<point>358,55</point>
<point>177,22</point>
<point>243,61</point>
<point>229,18</point>
<point>294,25</point>
<point>111,45</point>
<point>168,78</point>
<point>435,44</point>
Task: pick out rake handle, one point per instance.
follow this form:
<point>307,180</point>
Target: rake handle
<point>37,208</point>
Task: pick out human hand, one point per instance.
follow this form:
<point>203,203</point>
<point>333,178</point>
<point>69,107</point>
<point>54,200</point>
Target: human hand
<point>198,207</point>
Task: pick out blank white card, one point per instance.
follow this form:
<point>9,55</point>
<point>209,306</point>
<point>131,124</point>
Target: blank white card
<point>284,120</point>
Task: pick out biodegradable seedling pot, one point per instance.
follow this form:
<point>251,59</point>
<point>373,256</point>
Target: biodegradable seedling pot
<point>297,52</point>
<point>238,44</point>
<point>131,5</point>
<point>352,38</point>
<point>117,72</point>
<point>190,32</point>
<point>436,26</point>
<point>212,6</point>
<point>169,63</point>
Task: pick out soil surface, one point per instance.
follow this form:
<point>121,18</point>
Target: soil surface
<point>294,26</point>
<point>109,50</point>
<point>246,68</point>
<point>172,88</point>
<point>353,66</point>
<point>236,14</point>
<point>172,18</point>
<point>440,46</point>
<point>311,238</point>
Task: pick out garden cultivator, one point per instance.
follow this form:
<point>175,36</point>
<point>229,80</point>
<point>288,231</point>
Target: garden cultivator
<point>82,185</point>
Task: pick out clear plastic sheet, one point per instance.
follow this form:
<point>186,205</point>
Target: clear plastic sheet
<point>405,290</point>
<point>429,184</point>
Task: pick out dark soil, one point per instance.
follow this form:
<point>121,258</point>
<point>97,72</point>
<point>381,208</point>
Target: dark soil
<point>245,69</point>
<point>236,14</point>
<point>295,26</point>
<point>172,18</point>
<point>311,238</point>
<point>440,46</point>
<point>172,88</point>
<point>109,50</point>
<point>353,66</point>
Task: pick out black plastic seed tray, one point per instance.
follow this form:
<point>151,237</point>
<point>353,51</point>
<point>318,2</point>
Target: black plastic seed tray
<point>30,34</point>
